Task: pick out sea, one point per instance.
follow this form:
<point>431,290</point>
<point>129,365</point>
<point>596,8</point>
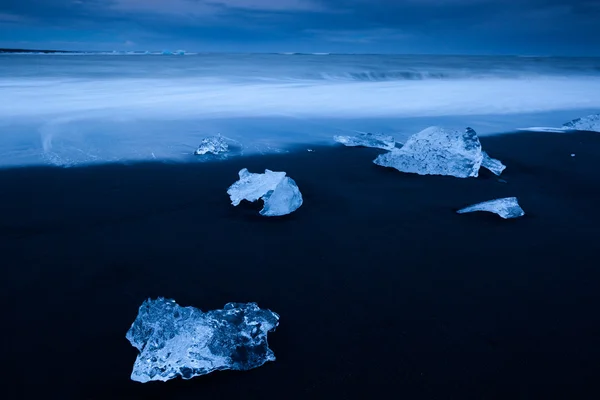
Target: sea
<point>76,109</point>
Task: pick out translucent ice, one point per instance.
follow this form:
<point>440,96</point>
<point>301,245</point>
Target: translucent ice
<point>589,123</point>
<point>184,341</point>
<point>280,194</point>
<point>492,164</point>
<point>506,208</point>
<point>437,151</point>
<point>213,145</point>
<point>285,199</point>
<point>367,140</point>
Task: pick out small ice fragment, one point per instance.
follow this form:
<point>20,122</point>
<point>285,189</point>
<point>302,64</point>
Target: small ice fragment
<point>310,150</point>
<point>212,144</point>
<point>437,151</point>
<point>367,140</point>
<point>506,208</point>
<point>589,123</point>
<point>502,181</point>
<point>495,166</point>
<point>280,194</point>
<point>572,155</point>
<point>184,341</point>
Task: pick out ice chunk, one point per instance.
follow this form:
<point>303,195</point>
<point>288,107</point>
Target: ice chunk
<point>213,145</point>
<point>437,151</point>
<point>184,341</point>
<point>285,199</point>
<point>506,208</point>
<point>589,123</point>
<point>367,140</point>
<point>280,194</point>
<point>492,164</point>
<point>252,187</point>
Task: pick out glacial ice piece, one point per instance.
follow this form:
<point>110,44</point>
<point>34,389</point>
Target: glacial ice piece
<point>280,194</point>
<point>437,151</point>
<point>506,208</point>
<point>367,140</point>
<point>495,166</point>
<point>213,145</point>
<point>184,341</point>
<point>589,123</point>
<point>285,199</point>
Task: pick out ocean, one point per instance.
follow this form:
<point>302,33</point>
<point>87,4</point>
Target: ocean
<point>77,109</point>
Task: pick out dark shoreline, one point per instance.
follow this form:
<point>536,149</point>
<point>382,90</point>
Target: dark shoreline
<point>382,289</point>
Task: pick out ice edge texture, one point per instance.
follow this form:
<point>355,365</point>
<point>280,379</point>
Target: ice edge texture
<point>184,341</point>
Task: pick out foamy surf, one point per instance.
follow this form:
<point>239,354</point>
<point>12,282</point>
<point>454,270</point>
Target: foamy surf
<point>76,110</point>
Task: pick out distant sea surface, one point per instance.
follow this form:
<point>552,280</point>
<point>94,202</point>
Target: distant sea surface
<point>75,109</point>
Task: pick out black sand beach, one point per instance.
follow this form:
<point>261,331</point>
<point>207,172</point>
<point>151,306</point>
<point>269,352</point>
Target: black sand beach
<point>383,290</point>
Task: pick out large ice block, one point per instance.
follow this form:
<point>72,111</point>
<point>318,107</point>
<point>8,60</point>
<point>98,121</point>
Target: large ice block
<point>506,208</point>
<point>184,341</point>
<point>437,151</point>
<point>280,194</point>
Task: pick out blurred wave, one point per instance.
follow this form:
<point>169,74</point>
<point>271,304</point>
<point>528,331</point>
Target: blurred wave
<point>70,109</point>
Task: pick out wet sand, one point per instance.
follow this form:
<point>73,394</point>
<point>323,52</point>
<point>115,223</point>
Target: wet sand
<point>383,290</point>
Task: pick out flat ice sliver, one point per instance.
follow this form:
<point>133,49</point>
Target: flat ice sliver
<point>280,194</point>
<point>437,151</point>
<point>184,341</point>
<point>367,140</point>
<point>590,123</point>
<point>506,208</point>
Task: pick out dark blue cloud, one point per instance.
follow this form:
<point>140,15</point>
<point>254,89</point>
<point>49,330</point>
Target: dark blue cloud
<point>568,27</point>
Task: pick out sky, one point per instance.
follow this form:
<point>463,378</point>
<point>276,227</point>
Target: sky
<point>523,27</point>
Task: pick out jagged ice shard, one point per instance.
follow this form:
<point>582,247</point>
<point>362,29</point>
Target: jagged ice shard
<point>506,208</point>
<point>213,145</point>
<point>184,341</point>
<point>367,140</point>
<point>437,151</point>
<point>280,194</point>
<point>589,123</point>
<point>495,166</point>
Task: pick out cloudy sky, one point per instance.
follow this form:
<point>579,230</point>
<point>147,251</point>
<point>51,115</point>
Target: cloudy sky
<point>530,27</point>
